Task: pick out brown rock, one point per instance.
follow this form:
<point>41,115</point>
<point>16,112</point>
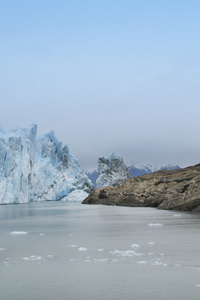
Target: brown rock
<point>176,189</point>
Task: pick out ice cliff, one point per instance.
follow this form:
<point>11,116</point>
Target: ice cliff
<point>38,169</point>
<point>112,171</point>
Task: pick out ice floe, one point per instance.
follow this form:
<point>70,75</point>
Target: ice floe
<point>159,263</point>
<point>2,249</point>
<point>33,257</point>
<point>155,224</point>
<point>126,253</point>
<point>18,232</point>
<point>135,246</point>
<point>151,243</point>
<point>141,262</point>
<point>82,249</point>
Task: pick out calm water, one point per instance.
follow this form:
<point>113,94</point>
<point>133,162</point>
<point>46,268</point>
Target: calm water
<point>63,251</point>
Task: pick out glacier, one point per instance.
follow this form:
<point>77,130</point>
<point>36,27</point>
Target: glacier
<point>38,168</point>
<point>112,171</point>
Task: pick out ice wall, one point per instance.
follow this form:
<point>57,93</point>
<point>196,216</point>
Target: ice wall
<point>38,169</point>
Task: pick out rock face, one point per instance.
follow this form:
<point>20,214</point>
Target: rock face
<point>136,169</point>
<point>176,189</point>
<point>37,169</point>
<point>112,171</point>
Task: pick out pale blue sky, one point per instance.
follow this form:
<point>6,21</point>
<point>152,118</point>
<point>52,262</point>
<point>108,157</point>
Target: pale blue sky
<point>105,75</point>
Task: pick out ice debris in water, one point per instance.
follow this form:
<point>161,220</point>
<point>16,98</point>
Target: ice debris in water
<point>135,246</point>
<point>141,262</point>
<point>82,249</point>
<point>150,243</point>
<point>33,257</point>
<point>18,232</point>
<point>2,249</point>
<point>126,253</point>
<point>155,224</point>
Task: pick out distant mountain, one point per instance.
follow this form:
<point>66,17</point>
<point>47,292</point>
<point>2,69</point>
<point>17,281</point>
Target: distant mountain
<point>136,169</point>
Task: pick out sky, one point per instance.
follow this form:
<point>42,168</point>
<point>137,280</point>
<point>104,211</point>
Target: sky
<point>105,75</point>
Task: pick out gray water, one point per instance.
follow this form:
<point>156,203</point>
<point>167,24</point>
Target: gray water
<point>58,251</point>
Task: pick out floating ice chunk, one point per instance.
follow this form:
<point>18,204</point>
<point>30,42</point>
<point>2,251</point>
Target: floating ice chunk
<point>100,260</point>
<point>73,246</point>
<point>198,285</point>
<point>82,249</point>
<point>141,262</point>
<point>2,249</point>
<point>100,249</point>
<point>26,258</point>
<point>49,255</point>
<point>41,234</point>
<point>18,232</point>
<point>155,225</point>
<point>38,257</point>
<point>159,263</point>
<point>135,246</point>
<point>126,253</point>
<point>177,265</point>
<point>177,215</point>
<point>87,260</point>
<point>150,243</point>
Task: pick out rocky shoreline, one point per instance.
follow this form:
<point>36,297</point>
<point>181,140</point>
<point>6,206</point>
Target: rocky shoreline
<point>173,190</point>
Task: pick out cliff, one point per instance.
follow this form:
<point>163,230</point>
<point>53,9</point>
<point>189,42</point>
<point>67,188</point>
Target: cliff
<point>175,189</point>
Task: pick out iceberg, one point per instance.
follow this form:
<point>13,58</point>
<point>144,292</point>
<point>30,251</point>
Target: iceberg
<point>112,171</point>
<point>38,169</point>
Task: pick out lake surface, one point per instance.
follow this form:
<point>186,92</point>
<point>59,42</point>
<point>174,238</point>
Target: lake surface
<point>57,251</point>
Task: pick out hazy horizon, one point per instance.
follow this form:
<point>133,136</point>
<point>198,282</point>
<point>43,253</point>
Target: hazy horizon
<point>109,75</point>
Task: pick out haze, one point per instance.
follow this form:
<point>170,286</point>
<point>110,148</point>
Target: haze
<point>105,75</point>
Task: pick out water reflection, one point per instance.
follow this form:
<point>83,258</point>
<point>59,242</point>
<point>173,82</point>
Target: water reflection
<point>19,211</point>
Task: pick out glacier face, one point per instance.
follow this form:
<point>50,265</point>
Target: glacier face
<point>112,171</point>
<point>38,169</point>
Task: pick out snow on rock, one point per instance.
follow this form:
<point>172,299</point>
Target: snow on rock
<point>38,169</point>
<point>112,171</point>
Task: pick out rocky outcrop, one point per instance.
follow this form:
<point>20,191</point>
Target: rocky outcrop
<point>176,189</point>
<point>112,171</point>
